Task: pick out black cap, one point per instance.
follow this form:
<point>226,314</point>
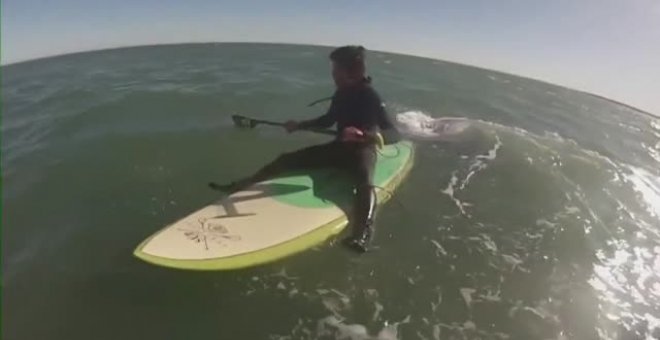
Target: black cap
<point>350,57</point>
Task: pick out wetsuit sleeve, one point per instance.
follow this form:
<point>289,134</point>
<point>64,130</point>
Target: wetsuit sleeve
<point>324,121</point>
<point>387,129</point>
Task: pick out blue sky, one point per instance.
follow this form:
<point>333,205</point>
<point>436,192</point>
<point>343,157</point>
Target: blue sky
<point>609,47</point>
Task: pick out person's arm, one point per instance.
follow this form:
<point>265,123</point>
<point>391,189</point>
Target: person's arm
<point>388,131</point>
<point>324,121</point>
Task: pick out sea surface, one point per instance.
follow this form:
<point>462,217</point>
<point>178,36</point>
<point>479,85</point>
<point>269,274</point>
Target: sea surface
<point>537,218</point>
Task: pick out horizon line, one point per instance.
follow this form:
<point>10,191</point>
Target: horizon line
<point>111,48</point>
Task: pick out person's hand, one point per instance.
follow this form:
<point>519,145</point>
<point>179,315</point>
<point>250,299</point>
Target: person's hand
<point>352,134</point>
<point>291,126</point>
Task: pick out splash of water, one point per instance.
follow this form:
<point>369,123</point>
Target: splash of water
<point>420,126</point>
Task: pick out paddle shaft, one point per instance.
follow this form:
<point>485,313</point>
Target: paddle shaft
<point>254,122</point>
<point>267,122</point>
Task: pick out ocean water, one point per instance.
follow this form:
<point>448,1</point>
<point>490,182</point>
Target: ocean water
<point>532,212</point>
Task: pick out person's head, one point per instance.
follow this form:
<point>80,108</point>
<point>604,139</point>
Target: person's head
<point>348,66</point>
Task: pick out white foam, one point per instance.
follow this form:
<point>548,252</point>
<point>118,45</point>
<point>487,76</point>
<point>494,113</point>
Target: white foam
<point>479,163</point>
<point>334,326</point>
<point>490,296</point>
<point>492,153</point>
<point>333,305</point>
<point>282,273</point>
<point>436,332</point>
<point>513,260</point>
<point>488,243</point>
<point>469,325</point>
<point>648,186</point>
<point>439,248</point>
<point>496,79</point>
<point>378,308</point>
<point>545,223</point>
<point>467,295</point>
<point>449,191</point>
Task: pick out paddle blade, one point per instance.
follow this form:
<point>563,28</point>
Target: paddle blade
<point>243,122</point>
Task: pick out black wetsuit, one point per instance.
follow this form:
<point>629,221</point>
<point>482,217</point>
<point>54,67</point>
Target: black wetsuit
<point>360,107</point>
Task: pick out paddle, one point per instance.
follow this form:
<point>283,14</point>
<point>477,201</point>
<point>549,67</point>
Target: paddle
<point>250,123</point>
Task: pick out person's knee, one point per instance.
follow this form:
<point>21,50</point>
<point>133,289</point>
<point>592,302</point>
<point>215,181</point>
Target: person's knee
<point>364,188</point>
<point>277,165</point>
<point>283,159</point>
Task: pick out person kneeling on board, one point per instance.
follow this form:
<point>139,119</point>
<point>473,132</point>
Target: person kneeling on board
<point>362,124</point>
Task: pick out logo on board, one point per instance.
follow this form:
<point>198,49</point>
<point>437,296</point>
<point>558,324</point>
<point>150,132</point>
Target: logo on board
<point>209,232</point>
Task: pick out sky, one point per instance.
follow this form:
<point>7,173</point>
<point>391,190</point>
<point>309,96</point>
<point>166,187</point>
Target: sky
<point>607,47</point>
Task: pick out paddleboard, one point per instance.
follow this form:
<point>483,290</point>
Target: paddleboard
<point>270,220</point>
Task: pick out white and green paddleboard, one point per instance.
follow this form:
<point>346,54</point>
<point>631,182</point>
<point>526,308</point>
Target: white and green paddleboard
<point>271,219</point>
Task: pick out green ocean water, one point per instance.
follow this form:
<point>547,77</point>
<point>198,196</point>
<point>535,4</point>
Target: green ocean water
<point>540,221</point>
